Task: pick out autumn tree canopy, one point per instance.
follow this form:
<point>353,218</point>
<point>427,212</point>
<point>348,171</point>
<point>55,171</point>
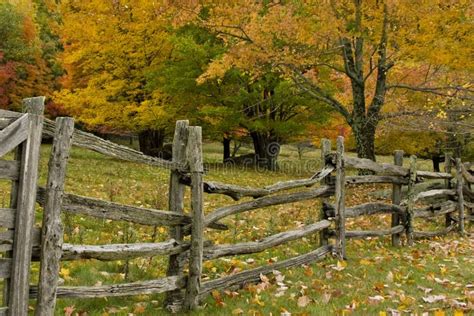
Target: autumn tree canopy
<point>357,56</point>
<point>270,110</point>
<point>266,71</point>
<point>24,70</point>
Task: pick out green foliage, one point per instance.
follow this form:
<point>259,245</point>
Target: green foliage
<point>236,103</point>
<point>13,41</point>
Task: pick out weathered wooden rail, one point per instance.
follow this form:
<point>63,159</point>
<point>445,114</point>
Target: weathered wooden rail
<point>185,290</point>
<point>22,134</point>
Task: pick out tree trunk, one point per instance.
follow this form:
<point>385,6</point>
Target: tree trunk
<point>364,133</point>
<point>267,149</point>
<point>436,161</point>
<point>151,142</point>
<point>226,144</point>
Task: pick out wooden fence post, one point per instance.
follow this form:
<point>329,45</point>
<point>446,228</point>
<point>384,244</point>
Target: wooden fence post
<point>194,158</point>
<point>396,198</point>
<point>18,292</point>
<point>447,182</point>
<point>52,229</point>
<point>340,200</point>
<point>325,149</point>
<point>176,204</point>
<point>459,188</point>
<point>411,200</point>
<point>31,107</point>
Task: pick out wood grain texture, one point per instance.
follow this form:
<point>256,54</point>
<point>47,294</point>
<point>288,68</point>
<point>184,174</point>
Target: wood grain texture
<point>218,251</point>
<point>52,229</point>
<point>340,208</point>
<point>5,267</point>
<point>354,234</point>
<point>125,289</point>
<point>325,150</point>
<point>397,198</point>
<point>466,174</point>
<point>97,144</point>
<point>7,117</point>
<point>411,199</point>
<point>384,168</point>
<point>174,299</point>
<point>9,169</point>
<point>121,251</point>
<point>460,195</point>
<point>268,201</point>
<point>367,209</point>
<point>7,217</point>
<point>25,215</point>
<point>108,148</point>
<point>434,194</point>
<point>425,235</point>
<point>6,239</point>
<point>434,210</point>
<point>376,179</point>
<point>237,192</point>
<point>433,175</point>
<point>14,134</point>
<point>104,209</point>
<point>447,182</point>
<point>375,208</point>
<point>195,163</point>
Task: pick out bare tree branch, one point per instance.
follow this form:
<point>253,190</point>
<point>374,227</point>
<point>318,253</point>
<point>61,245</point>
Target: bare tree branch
<point>441,91</point>
<point>317,92</point>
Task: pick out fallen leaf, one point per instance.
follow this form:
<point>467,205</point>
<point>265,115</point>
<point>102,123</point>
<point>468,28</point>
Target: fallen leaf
<point>469,296</point>
<point>217,297</point>
<point>64,272</point>
<point>390,276</point>
<point>256,300</point>
<point>68,310</point>
<point>407,300</point>
<point>365,262</point>
<point>139,309</point>
<point>424,289</point>
<point>264,278</point>
<point>303,301</point>
<point>352,306</point>
<point>434,298</point>
<point>374,300</point>
<point>326,297</point>
<point>284,312</point>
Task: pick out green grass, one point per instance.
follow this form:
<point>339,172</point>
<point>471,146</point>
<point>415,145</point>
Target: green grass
<point>373,266</point>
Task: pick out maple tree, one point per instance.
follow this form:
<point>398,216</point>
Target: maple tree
<point>270,110</point>
<point>354,55</point>
<point>107,64</point>
<point>22,67</point>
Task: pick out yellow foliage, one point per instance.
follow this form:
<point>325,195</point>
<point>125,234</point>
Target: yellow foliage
<point>109,60</point>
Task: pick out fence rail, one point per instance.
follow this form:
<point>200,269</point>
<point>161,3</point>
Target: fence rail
<point>186,289</point>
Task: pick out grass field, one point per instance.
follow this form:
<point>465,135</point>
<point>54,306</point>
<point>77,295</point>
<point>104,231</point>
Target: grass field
<point>434,276</point>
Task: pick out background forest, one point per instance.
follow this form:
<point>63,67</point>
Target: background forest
<point>266,80</point>
<point>388,74</point>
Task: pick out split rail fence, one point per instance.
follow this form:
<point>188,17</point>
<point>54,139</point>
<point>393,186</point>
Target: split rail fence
<point>21,243</point>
